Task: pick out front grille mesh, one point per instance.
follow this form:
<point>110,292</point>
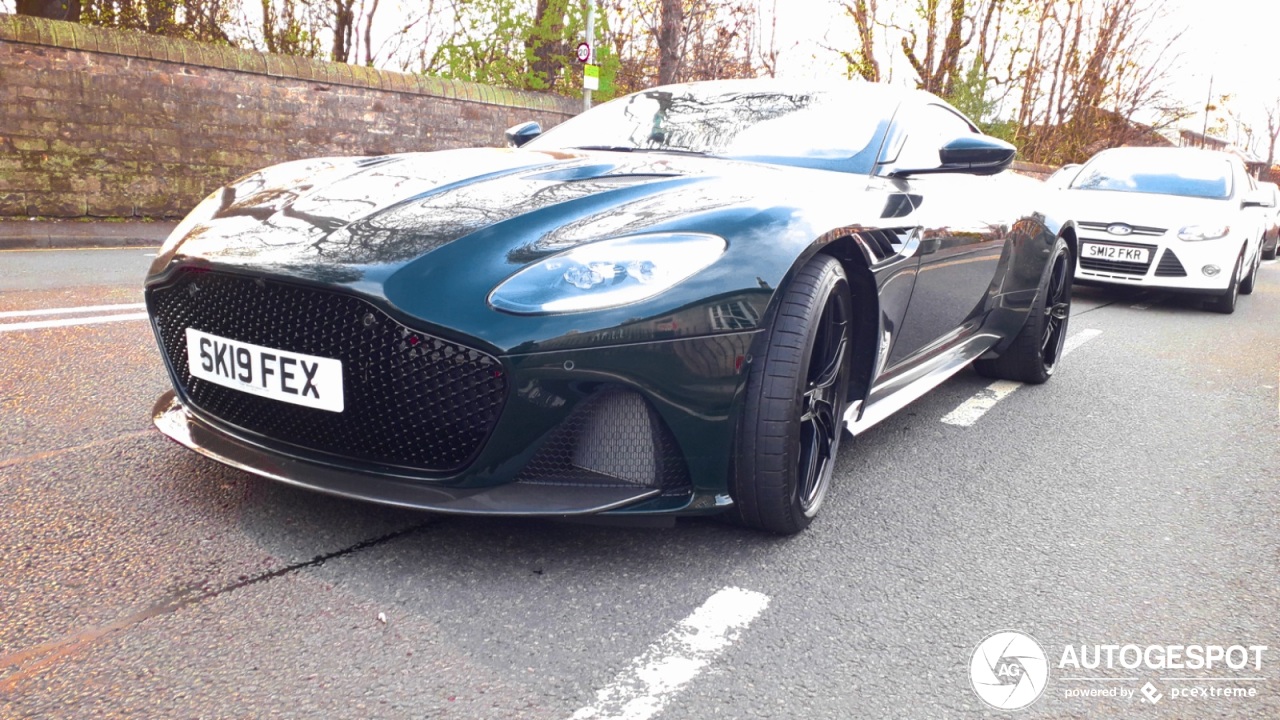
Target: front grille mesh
<point>413,400</point>
<point>613,439</point>
<point>1170,266</point>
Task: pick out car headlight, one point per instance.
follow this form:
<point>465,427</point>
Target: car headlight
<point>607,273</point>
<point>1203,232</point>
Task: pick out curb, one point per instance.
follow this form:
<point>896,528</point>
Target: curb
<point>29,235</point>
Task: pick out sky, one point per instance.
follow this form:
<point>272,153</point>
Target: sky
<point>1234,42</point>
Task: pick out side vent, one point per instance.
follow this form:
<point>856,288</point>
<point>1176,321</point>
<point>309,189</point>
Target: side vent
<point>884,244</point>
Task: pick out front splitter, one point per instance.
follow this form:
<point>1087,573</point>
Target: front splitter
<point>513,499</point>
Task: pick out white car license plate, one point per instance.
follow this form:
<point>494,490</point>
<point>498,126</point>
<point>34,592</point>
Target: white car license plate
<point>1114,253</point>
<point>306,380</point>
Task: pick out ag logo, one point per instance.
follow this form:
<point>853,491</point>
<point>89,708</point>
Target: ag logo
<point>1008,670</point>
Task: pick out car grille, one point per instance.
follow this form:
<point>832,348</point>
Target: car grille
<point>1134,229</point>
<point>413,400</point>
<point>1170,266</point>
<point>612,439</point>
<point>1112,266</point>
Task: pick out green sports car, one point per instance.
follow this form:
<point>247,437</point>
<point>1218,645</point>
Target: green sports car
<point>672,304</point>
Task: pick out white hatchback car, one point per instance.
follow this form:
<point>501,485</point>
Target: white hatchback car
<point>1175,218</point>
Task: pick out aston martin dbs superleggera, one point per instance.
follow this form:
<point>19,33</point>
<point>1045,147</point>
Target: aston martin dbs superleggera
<point>671,304</point>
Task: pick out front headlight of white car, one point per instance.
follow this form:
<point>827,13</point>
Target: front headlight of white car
<point>1203,232</point>
<point>607,273</point>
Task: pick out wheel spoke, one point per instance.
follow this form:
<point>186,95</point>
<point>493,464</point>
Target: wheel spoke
<point>820,403</point>
<point>1056,310</point>
<point>817,454</point>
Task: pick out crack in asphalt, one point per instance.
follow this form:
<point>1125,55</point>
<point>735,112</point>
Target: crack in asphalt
<point>1096,307</point>
<point>32,660</point>
<point>47,454</point>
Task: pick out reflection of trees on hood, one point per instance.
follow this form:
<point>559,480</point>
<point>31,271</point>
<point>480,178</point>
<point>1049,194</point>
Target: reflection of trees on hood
<point>616,220</point>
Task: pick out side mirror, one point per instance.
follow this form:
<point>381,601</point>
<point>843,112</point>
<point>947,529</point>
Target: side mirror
<point>1257,198</point>
<point>518,135</point>
<point>972,154</point>
<point>977,154</point>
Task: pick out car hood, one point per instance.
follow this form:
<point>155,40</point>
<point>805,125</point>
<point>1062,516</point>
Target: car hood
<point>1146,209</point>
<point>431,234</point>
<point>356,216</point>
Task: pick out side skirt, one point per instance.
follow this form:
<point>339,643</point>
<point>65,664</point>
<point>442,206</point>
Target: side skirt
<point>899,391</point>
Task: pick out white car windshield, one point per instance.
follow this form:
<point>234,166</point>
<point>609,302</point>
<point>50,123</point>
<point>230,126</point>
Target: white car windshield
<point>1163,173</point>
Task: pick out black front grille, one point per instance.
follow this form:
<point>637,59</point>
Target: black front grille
<point>1133,229</point>
<point>412,400</point>
<point>1112,266</point>
<point>1170,266</point>
<point>612,439</point>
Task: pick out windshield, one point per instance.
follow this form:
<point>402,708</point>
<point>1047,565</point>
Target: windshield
<point>823,129</point>
<point>1163,173</point>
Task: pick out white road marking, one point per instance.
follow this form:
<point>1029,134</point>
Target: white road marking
<point>1079,339</point>
<point>969,411</point>
<point>72,310</point>
<point>640,691</point>
<point>67,322</point>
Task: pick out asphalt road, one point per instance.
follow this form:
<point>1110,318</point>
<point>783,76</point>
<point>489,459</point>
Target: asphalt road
<point>1132,500</point>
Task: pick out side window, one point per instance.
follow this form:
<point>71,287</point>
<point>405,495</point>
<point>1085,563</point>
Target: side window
<point>929,128</point>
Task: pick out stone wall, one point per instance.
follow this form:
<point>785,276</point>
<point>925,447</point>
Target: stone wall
<point>105,123</point>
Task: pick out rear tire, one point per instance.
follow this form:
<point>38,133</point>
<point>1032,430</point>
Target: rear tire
<point>1034,353</point>
<point>793,414</point>
<point>1270,253</point>
<point>1226,303</point>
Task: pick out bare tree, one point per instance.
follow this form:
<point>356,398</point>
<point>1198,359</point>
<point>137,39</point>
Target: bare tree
<point>861,60</point>
<point>670,40</point>
<point>1273,133</point>
<point>943,40</point>
<point>343,26</point>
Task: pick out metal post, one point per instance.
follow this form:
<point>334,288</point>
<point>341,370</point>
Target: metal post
<point>591,41</point>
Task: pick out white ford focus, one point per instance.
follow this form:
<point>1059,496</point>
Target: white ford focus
<point>1175,218</point>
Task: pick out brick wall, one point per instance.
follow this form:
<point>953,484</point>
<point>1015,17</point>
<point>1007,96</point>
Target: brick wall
<point>106,123</point>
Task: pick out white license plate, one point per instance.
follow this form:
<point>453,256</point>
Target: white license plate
<point>306,380</point>
<point>1114,253</point>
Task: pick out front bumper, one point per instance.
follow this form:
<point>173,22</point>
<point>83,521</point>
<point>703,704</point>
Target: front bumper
<point>1173,264</point>
<point>180,424</point>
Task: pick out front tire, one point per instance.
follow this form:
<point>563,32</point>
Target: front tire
<point>1034,353</point>
<point>1226,303</point>
<point>793,413</point>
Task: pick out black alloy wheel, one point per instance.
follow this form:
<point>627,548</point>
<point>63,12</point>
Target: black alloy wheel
<point>793,415</point>
<point>1034,354</point>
